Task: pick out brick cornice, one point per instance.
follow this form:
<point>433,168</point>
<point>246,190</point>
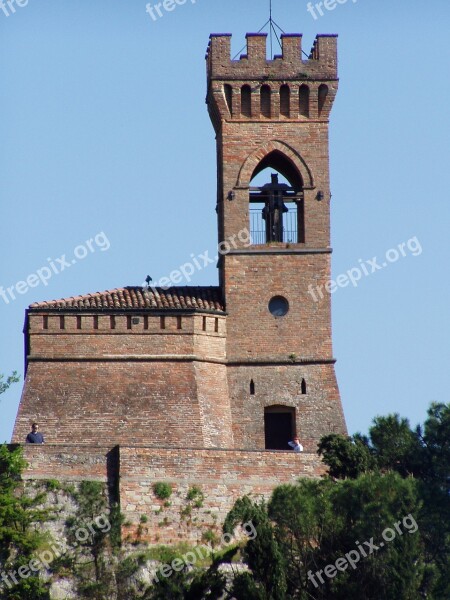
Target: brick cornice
<point>276,250</point>
<point>181,358</point>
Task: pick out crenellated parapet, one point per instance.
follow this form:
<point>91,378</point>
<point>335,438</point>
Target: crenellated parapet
<point>321,64</point>
<point>286,87</point>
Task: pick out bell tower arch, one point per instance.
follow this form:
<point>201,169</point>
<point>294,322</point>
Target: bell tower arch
<point>274,114</point>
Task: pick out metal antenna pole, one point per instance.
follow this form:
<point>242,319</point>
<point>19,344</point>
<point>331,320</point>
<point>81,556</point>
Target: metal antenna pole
<point>271,32</point>
<point>271,23</point>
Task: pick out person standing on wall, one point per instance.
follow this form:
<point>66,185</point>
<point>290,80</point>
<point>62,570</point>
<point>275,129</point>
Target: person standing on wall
<point>35,437</point>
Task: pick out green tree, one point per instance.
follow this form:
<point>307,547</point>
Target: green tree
<point>263,554</point>
<point>89,558</point>
<point>422,453</point>
<point>390,446</point>
<point>346,456</point>
<point>312,524</point>
<point>435,492</point>
<point>208,584</point>
<point>396,446</point>
<point>20,539</point>
<point>437,442</point>
<point>4,385</point>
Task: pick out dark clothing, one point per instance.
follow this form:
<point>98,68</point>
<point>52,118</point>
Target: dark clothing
<point>35,438</point>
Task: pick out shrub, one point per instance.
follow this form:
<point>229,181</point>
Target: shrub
<point>162,490</point>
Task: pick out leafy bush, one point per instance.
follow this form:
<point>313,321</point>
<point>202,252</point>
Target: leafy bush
<point>162,490</point>
<point>196,496</point>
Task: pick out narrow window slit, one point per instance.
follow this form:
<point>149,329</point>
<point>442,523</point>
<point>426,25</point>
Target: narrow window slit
<point>323,93</point>
<point>303,386</point>
<point>266,97</point>
<point>246,101</point>
<point>229,97</point>
<point>285,101</point>
<point>304,101</point>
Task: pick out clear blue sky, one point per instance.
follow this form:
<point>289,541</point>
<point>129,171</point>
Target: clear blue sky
<point>104,129</point>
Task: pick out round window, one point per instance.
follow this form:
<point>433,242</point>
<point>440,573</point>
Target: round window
<point>278,306</point>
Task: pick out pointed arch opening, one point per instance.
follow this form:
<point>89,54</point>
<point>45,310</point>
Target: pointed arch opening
<point>276,201</point>
<point>248,168</point>
<point>252,387</point>
<point>280,162</point>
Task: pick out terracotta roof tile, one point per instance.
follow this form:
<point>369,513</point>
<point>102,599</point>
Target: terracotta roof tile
<point>176,298</point>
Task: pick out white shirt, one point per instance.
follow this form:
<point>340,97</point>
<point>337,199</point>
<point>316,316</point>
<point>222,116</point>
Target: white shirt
<point>296,446</point>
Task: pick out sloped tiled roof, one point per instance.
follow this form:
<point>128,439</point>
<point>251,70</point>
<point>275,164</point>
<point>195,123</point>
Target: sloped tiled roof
<point>175,298</point>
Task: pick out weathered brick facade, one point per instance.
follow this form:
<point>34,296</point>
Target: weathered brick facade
<point>140,385</point>
<point>189,381</point>
<point>222,476</point>
<point>292,137</point>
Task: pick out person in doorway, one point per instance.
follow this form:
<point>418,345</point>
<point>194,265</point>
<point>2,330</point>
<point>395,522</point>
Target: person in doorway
<point>295,445</point>
<point>35,437</point>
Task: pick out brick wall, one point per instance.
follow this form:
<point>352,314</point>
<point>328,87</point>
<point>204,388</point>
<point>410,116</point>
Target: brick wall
<point>276,352</point>
<point>111,402</point>
<point>253,332</point>
<point>223,476</point>
<point>71,462</point>
<point>317,412</point>
<point>245,144</point>
<point>214,404</point>
<point>112,335</point>
<point>145,385</point>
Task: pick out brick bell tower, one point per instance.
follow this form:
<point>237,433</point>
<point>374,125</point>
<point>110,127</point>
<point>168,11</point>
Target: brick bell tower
<point>275,114</point>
